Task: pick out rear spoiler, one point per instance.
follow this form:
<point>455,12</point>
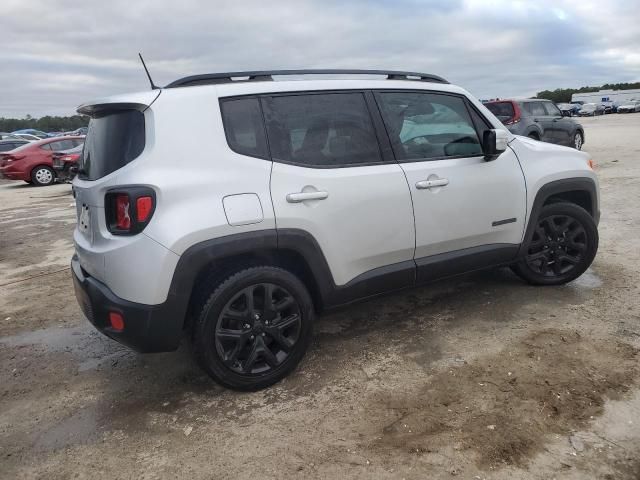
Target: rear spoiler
<point>101,107</point>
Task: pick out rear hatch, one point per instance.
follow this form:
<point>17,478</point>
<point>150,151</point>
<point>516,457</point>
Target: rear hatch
<point>117,136</point>
<point>503,110</point>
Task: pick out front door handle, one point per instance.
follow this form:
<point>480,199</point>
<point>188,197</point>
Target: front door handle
<point>303,196</point>
<point>438,182</point>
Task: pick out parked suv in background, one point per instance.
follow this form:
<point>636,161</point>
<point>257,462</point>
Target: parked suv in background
<point>310,194</point>
<point>540,120</point>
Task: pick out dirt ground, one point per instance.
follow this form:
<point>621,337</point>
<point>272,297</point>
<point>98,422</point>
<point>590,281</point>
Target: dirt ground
<point>478,377</point>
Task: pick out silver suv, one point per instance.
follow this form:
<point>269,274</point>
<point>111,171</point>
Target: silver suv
<point>293,197</point>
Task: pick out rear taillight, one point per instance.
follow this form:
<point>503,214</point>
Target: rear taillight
<point>517,115</point>
<point>11,158</point>
<point>144,206</point>
<point>128,210</point>
<point>123,220</point>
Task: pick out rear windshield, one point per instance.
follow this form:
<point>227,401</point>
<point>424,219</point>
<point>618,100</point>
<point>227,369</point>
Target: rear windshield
<point>502,110</point>
<point>114,139</point>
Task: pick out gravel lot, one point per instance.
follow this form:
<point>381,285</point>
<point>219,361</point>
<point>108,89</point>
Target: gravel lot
<point>477,377</point>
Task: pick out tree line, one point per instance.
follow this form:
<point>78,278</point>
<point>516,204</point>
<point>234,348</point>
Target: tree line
<point>563,95</point>
<point>46,124</point>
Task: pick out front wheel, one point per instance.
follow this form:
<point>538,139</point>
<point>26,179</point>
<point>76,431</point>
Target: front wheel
<point>578,141</point>
<point>563,245</point>
<point>254,328</point>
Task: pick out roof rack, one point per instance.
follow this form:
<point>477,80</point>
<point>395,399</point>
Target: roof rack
<point>267,75</point>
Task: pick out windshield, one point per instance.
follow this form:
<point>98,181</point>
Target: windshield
<point>114,139</point>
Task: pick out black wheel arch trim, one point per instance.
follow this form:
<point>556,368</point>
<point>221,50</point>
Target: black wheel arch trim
<point>556,187</point>
<point>327,294</point>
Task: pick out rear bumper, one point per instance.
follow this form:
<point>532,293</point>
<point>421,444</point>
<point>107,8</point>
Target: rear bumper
<point>148,328</point>
<point>10,172</point>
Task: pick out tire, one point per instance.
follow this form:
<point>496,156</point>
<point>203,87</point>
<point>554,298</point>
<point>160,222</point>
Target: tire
<point>534,136</point>
<point>578,141</point>
<point>556,261</point>
<point>241,342</point>
<point>42,176</point>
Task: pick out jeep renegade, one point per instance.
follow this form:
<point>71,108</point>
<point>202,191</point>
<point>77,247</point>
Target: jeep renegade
<point>234,207</point>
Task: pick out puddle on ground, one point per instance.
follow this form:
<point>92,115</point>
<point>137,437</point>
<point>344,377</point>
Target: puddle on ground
<point>54,339</point>
<point>588,280</point>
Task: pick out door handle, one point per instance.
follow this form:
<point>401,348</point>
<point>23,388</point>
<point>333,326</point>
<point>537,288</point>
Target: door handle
<point>438,182</point>
<point>303,196</point>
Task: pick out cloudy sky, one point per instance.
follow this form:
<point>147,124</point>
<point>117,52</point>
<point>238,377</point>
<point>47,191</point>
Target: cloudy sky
<point>55,54</point>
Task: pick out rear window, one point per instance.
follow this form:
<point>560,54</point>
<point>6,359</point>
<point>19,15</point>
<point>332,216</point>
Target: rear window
<point>502,110</point>
<point>114,139</point>
<point>243,126</point>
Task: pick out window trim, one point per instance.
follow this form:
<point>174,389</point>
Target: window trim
<point>382,135</point>
<point>222,100</point>
<point>467,105</point>
<point>384,159</point>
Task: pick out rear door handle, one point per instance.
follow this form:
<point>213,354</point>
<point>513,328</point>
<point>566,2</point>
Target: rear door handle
<point>438,182</point>
<point>302,196</point>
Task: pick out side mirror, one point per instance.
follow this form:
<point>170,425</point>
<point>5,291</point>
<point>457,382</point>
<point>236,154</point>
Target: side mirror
<point>494,142</point>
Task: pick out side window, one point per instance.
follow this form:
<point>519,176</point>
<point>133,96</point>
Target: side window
<point>243,126</point>
<point>536,109</point>
<point>328,129</point>
<point>428,125</point>
<point>552,110</point>
<point>46,146</point>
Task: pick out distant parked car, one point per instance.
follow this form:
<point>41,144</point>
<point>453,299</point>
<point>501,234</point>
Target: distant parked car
<point>8,145</point>
<point>591,110</point>
<point>629,107</point>
<point>32,131</point>
<point>64,161</point>
<point>569,109</point>
<point>538,119</point>
<point>9,136</point>
<point>28,136</point>
<point>81,131</point>
<point>608,107</point>
<point>32,162</point>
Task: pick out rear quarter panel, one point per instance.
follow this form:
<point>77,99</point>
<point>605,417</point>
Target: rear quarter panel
<point>192,169</point>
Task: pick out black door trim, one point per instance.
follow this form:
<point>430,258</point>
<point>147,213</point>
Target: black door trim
<point>457,262</point>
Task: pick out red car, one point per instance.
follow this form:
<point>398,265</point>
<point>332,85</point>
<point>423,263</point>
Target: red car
<point>33,162</point>
<point>63,163</point>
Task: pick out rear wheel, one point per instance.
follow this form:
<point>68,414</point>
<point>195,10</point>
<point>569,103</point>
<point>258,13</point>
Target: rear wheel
<point>564,244</point>
<point>254,328</point>
<point>578,141</point>
<point>42,176</point>
<point>535,136</point>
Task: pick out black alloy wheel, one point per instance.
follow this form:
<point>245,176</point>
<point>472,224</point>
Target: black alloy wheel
<point>559,242</point>
<point>257,329</point>
<point>253,327</point>
<point>563,245</point>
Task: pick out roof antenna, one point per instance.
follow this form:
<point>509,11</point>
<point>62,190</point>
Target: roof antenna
<point>153,86</point>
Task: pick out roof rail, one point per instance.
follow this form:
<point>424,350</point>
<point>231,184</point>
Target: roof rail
<point>267,75</point>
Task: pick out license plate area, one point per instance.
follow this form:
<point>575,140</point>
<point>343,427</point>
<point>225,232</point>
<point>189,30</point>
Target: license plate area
<point>84,220</point>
